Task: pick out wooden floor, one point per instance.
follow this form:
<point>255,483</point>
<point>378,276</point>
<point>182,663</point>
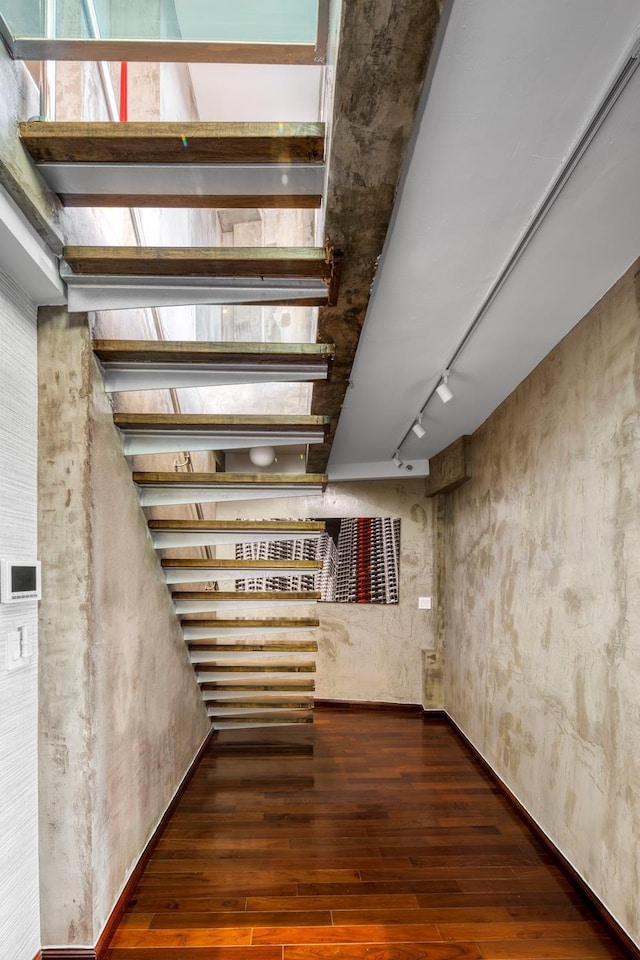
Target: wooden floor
<point>369,835</point>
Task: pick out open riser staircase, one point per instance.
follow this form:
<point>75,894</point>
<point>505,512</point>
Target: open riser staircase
<point>254,667</point>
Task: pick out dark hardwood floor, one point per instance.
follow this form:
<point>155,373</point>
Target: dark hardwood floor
<point>369,835</point>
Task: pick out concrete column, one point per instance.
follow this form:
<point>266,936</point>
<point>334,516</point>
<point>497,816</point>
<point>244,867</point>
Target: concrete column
<point>121,715</point>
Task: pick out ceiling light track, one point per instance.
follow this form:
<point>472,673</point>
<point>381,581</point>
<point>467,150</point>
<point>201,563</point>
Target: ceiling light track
<point>604,108</point>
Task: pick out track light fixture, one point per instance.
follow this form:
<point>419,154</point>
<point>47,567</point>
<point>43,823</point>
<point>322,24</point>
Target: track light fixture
<point>443,390</point>
<point>418,429</point>
<point>396,459</point>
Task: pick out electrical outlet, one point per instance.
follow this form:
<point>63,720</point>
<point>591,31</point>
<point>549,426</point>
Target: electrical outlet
<point>424,603</point>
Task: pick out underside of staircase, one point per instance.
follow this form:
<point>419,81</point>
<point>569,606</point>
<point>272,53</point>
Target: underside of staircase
<point>255,666</point>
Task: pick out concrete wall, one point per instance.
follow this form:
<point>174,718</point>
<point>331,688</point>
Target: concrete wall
<point>373,652</point>
<point>543,597</point>
<point>19,898</point>
<point>121,714</point>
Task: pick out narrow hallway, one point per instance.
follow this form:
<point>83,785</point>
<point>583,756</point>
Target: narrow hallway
<point>370,834</point>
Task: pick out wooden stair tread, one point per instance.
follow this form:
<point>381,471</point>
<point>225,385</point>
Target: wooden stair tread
<point>257,668</point>
<point>269,622</point>
<point>196,351</point>
<point>266,703</point>
<point>260,718</point>
<point>247,595</point>
<point>281,686</point>
<point>220,422</point>
<point>276,710</point>
<point>183,143</point>
<point>226,479</point>
<point>248,565</point>
<point>284,526</point>
<point>213,647</point>
<point>246,262</point>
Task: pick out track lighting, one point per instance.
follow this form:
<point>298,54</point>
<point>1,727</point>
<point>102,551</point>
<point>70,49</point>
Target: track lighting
<point>396,459</point>
<point>443,390</point>
<point>418,429</point>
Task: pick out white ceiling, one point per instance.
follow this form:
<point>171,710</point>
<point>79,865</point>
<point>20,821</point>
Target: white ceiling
<point>514,85</point>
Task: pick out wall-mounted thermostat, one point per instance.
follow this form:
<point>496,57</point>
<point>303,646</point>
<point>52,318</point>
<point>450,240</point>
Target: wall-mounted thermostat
<point>19,580</point>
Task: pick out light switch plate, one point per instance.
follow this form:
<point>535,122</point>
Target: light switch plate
<point>19,650</point>
<point>14,649</point>
<point>424,603</point>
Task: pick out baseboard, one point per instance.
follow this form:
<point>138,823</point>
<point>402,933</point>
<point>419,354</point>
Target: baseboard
<point>382,706</point>
<point>68,953</point>
<point>607,919</point>
<point>98,952</point>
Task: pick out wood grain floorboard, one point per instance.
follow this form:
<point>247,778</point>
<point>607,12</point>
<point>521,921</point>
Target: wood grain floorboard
<point>378,951</point>
<point>370,836</point>
<point>196,953</point>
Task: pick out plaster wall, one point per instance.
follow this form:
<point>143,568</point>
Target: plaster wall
<point>543,597</point>
<point>373,652</point>
<point>121,713</point>
<point>19,897</point>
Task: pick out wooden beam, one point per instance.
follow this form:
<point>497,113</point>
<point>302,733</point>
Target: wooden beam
<point>231,526</point>
<point>284,718</point>
<point>181,351</point>
<point>293,686</point>
<point>294,647</point>
<point>255,668</point>
<point>251,566</point>
<point>221,423</point>
<point>189,142</point>
<point>295,263</point>
<point>262,703</point>
<point>225,479</point>
<point>166,51</point>
<point>247,595</point>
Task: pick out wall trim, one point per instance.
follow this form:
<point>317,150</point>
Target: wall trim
<point>68,953</point>
<point>99,951</point>
<point>617,932</point>
<point>382,706</point>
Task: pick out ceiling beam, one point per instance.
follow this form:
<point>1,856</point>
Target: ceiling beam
<point>382,60</point>
<point>180,143</point>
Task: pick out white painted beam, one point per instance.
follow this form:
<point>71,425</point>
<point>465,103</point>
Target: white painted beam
<point>173,441</point>
<point>167,539</point>
<point>159,376</point>
<point>211,606</point>
<point>92,293</point>
<point>189,180</point>
<point>154,495</point>
<point>194,574</point>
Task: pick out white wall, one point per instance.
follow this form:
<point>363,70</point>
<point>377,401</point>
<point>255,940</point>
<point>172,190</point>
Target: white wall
<point>19,899</point>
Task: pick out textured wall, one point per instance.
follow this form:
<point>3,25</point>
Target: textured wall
<point>121,713</point>
<point>543,597</point>
<point>368,651</point>
<point>19,899</point>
